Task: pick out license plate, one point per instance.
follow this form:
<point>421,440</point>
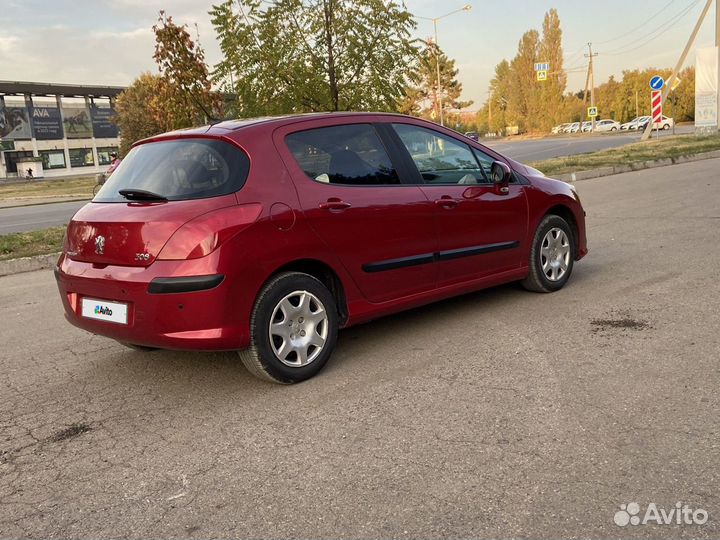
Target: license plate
<point>103,310</point>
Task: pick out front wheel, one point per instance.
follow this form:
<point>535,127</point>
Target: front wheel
<point>666,127</point>
<point>552,255</point>
<point>293,329</point>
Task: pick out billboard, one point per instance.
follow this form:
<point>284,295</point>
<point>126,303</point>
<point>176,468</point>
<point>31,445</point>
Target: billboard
<point>102,124</point>
<point>706,87</point>
<point>47,123</point>
<point>76,122</point>
<point>14,123</point>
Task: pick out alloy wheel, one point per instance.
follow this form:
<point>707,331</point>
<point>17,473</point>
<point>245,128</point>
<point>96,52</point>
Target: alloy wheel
<point>298,329</point>
<point>555,254</point>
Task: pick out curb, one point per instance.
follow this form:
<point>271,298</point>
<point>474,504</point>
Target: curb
<point>28,264</point>
<point>639,166</point>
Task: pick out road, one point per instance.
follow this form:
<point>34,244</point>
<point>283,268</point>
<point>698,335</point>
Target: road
<point>29,218</point>
<point>528,150</point>
<point>41,216</point>
<point>496,414</point>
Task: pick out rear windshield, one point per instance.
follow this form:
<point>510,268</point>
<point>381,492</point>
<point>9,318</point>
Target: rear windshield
<point>179,170</point>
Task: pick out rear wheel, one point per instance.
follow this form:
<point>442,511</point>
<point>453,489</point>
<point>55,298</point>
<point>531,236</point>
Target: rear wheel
<point>293,329</point>
<point>666,126</point>
<point>552,255</point>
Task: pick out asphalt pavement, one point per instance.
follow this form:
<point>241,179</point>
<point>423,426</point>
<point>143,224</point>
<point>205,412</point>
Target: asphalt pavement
<point>501,413</point>
<point>528,150</point>
<point>40,216</point>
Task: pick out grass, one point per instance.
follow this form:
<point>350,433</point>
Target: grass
<point>27,244</point>
<point>665,147</point>
<point>37,189</point>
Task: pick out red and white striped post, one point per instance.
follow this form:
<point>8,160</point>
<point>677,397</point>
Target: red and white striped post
<point>656,107</point>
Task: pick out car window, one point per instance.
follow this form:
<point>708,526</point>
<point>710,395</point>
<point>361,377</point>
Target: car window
<point>179,170</point>
<point>440,159</point>
<point>351,154</point>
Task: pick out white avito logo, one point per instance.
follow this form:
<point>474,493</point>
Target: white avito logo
<point>680,514</point>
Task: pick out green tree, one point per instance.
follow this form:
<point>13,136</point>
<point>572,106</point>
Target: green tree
<point>313,55</point>
<point>523,93</point>
<point>181,62</point>
<point>142,111</point>
<point>552,90</point>
<point>421,94</point>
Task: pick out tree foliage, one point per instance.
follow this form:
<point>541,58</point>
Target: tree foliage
<point>181,62</point>
<point>179,96</point>
<point>421,93</point>
<point>142,111</point>
<point>313,55</point>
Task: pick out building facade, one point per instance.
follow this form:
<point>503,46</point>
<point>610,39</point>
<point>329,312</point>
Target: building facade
<point>51,130</point>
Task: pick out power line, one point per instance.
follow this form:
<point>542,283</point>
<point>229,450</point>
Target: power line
<point>660,30</point>
<point>644,23</point>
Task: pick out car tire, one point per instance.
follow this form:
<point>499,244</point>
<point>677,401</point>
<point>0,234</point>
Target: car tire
<point>552,256</point>
<point>139,348</point>
<point>613,129</point>
<point>291,354</point>
<point>666,127</point>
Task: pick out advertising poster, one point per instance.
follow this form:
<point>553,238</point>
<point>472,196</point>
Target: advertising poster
<point>47,123</point>
<point>14,123</point>
<point>102,124</point>
<point>706,86</point>
<point>76,122</point>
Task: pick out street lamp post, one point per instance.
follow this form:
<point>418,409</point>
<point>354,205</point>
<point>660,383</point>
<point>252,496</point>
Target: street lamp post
<point>435,20</point>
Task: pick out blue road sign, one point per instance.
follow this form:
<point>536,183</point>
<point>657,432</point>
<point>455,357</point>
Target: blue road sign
<point>657,82</point>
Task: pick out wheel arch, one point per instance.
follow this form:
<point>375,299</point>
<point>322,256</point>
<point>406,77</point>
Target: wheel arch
<point>324,273</point>
<point>567,214</point>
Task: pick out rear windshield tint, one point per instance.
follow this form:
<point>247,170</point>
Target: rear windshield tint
<point>179,170</point>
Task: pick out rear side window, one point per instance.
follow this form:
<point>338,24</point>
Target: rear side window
<point>179,170</point>
<point>350,155</point>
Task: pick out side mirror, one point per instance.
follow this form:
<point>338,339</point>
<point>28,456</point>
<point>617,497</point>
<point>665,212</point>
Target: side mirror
<point>500,172</point>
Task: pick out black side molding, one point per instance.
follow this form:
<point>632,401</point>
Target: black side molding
<point>425,258</point>
<point>392,264</point>
<point>475,250</point>
<point>184,284</point>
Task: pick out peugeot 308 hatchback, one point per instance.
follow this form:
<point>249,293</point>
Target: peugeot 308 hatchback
<point>266,236</point>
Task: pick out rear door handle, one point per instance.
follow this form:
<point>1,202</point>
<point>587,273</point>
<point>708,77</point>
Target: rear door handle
<point>446,202</point>
<point>335,204</point>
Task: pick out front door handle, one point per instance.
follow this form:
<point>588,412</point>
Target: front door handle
<point>446,201</point>
<point>335,204</point>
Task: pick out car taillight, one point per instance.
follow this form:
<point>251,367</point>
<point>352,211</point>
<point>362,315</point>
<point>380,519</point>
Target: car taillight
<point>203,235</point>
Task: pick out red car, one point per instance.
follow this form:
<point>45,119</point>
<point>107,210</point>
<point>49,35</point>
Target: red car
<point>266,236</point>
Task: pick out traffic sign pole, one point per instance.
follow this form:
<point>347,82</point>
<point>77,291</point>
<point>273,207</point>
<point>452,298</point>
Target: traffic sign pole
<point>656,103</point>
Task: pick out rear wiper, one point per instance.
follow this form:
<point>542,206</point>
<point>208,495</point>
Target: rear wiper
<point>141,195</point>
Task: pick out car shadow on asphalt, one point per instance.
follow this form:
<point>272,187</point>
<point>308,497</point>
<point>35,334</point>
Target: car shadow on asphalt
<point>222,373</point>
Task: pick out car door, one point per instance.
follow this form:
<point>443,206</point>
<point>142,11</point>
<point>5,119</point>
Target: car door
<point>351,193</point>
<point>480,228</point>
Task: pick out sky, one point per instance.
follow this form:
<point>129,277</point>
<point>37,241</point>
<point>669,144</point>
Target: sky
<point>111,41</point>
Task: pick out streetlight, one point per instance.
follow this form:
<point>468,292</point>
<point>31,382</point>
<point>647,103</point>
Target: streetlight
<point>466,7</point>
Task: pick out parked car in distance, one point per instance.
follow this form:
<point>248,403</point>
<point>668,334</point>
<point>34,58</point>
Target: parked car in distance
<point>586,126</point>
<point>664,124</point>
<point>635,122</point>
<point>607,125</point>
<point>472,135</point>
<point>573,128</point>
<point>559,129</point>
<point>267,236</point>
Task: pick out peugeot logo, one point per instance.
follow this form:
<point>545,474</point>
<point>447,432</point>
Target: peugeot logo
<point>100,245</point>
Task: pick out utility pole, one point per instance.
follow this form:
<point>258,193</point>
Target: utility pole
<point>591,77</point>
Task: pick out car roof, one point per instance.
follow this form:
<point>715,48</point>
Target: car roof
<point>226,127</point>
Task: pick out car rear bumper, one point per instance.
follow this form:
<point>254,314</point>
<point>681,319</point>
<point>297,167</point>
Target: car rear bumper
<point>171,304</point>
